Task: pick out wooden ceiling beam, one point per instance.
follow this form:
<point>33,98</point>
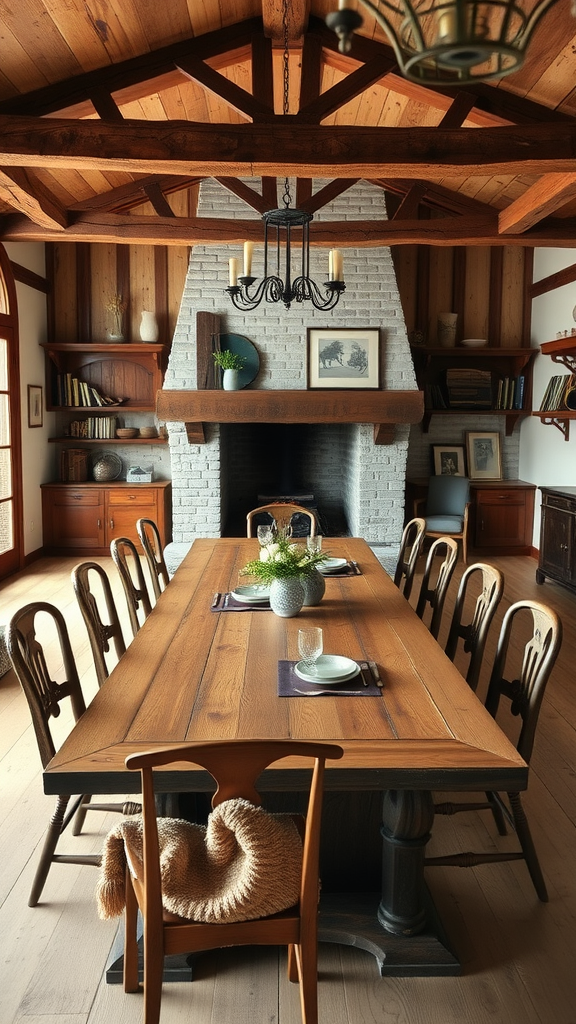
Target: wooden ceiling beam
<point>285,147</point>
<point>353,85</point>
<point>137,77</point>
<point>245,193</point>
<point>243,102</point>
<point>29,196</point>
<point>438,197</point>
<point>133,193</point>
<point>298,14</point>
<point>140,230</point>
<point>541,200</point>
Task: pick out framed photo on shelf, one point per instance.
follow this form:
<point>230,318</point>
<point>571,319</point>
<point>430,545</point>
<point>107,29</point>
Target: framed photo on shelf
<point>448,460</point>
<point>35,417</point>
<point>343,357</point>
<point>484,455</point>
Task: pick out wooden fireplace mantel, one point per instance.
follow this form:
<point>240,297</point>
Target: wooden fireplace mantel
<point>382,408</point>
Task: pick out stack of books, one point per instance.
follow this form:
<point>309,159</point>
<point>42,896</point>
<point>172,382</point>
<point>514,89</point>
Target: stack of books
<point>70,390</point>
<point>555,395</point>
<point>469,389</point>
<point>510,393</point>
<point>94,427</point>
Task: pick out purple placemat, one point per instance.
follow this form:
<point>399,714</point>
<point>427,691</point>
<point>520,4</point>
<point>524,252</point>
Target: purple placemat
<point>228,603</point>
<point>350,569</point>
<point>290,685</point>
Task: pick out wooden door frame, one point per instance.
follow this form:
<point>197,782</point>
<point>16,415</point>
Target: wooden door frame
<point>9,324</point>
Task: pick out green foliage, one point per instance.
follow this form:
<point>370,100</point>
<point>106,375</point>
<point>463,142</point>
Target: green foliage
<point>227,360</point>
<point>286,560</point>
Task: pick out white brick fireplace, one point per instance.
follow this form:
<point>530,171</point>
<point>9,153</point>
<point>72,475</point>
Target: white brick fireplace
<point>220,480</point>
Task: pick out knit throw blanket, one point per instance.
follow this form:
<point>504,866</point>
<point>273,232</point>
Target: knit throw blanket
<point>244,864</point>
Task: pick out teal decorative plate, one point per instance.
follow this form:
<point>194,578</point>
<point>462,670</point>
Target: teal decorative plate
<point>242,346</point>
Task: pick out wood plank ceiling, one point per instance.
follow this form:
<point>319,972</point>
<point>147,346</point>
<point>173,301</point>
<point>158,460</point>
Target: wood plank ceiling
<point>109,106</point>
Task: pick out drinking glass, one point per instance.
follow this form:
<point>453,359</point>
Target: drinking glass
<point>265,535</point>
<point>314,544</point>
<point>310,646</point>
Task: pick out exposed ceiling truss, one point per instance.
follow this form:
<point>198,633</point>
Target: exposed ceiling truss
<point>78,125</point>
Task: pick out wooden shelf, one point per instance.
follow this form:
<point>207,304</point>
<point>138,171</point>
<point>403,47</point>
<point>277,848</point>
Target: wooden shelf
<point>431,364</point>
<point>559,418</point>
<point>75,441</point>
<point>563,350</point>
<point>382,408</point>
<point>131,372</point>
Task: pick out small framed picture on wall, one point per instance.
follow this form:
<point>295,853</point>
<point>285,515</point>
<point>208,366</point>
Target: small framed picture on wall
<point>448,460</point>
<point>35,406</point>
<point>484,455</point>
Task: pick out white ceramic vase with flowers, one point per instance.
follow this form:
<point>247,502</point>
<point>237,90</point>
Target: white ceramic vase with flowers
<point>285,566</point>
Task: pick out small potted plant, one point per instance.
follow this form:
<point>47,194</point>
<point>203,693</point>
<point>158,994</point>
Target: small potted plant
<point>286,567</point>
<point>230,363</point>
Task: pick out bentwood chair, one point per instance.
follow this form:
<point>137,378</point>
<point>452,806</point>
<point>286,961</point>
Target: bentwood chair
<point>127,561</point>
<point>235,765</point>
<point>446,509</point>
<point>410,548</point>
<point>475,632</point>
<point>440,564</point>
<point>524,686</point>
<point>100,632</point>
<point>280,514</point>
<point>30,659</point>
<point>149,535</point>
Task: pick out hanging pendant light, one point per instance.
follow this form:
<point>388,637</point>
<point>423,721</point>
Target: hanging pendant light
<point>448,42</point>
<point>278,233</point>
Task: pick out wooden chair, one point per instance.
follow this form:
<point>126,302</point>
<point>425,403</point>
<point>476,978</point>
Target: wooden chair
<point>99,633</point>
<point>410,548</point>
<point>123,550</point>
<point>435,595</point>
<point>44,696</point>
<point>525,692</point>
<point>149,535</point>
<point>475,633</point>
<point>235,765</point>
<point>446,509</point>
<point>281,514</point>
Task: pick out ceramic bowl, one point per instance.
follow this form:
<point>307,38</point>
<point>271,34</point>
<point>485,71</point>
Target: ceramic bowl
<point>148,432</point>
<point>127,432</point>
<point>474,342</point>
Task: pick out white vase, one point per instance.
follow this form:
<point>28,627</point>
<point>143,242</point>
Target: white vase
<point>231,380</point>
<point>314,587</point>
<point>148,326</point>
<point>447,329</point>
<point>286,597</point>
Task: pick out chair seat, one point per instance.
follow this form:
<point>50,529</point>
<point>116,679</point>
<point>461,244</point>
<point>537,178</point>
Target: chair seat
<point>444,524</point>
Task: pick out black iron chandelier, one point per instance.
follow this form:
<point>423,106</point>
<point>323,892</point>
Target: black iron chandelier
<point>448,42</point>
<point>278,227</point>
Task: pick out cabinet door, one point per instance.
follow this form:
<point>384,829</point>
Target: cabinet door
<point>501,519</point>
<point>557,543</point>
<point>125,507</point>
<point>73,518</point>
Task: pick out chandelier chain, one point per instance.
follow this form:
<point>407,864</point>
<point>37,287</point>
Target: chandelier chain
<point>287,197</point>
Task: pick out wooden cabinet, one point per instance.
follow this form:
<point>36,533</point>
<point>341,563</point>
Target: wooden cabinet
<point>503,516</point>
<point>431,365</point>
<point>83,518</point>
<point>557,558</point>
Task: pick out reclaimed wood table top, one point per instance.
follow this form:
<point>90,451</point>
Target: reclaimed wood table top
<point>192,674</point>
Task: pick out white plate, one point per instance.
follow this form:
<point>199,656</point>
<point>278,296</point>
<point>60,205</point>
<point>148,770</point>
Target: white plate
<point>330,669</point>
<point>332,564</point>
<point>252,593</point>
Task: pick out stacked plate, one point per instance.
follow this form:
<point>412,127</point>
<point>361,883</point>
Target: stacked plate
<point>331,565</point>
<point>328,669</point>
<point>252,593</point>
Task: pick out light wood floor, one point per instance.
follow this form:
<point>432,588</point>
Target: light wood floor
<point>517,954</point>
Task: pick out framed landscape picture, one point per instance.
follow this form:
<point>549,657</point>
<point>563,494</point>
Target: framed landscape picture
<point>448,460</point>
<point>484,455</point>
<point>343,357</point>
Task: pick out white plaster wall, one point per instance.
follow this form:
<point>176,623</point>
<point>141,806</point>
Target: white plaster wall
<point>545,457</point>
<point>37,456</point>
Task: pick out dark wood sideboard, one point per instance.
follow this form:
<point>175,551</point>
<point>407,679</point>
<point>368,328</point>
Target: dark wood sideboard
<point>557,559</point>
<point>501,514</point>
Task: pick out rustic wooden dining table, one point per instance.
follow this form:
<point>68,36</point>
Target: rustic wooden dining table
<point>194,674</point>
